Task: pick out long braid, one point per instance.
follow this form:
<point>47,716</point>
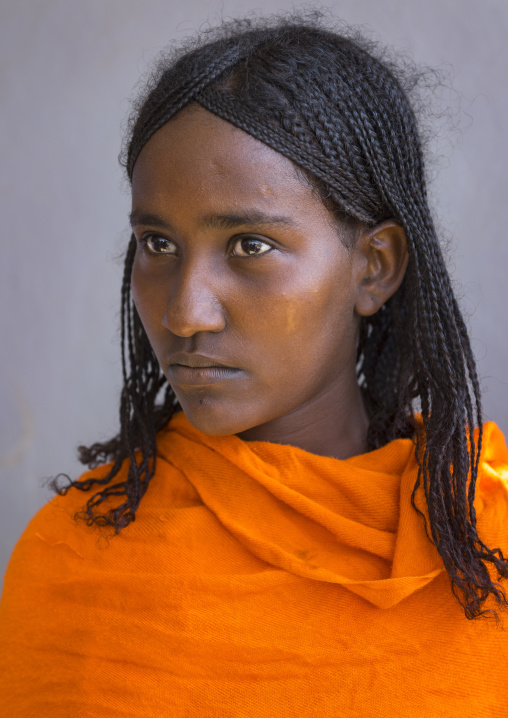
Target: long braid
<point>140,420</point>
<point>344,119</point>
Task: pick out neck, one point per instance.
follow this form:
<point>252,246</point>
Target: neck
<point>333,424</point>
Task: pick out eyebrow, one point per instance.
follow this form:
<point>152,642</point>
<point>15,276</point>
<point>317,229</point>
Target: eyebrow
<point>237,219</point>
<point>217,221</point>
<point>137,218</point>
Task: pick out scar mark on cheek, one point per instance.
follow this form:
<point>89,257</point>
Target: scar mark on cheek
<point>291,318</point>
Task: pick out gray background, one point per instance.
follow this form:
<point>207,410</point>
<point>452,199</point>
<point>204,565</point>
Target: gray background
<point>67,68</point>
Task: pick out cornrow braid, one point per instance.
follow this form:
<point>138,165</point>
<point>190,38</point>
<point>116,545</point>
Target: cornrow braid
<point>159,110</point>
<point>291,147</point>
<point>343,117</point>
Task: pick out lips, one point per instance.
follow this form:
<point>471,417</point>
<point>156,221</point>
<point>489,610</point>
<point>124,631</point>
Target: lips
<point>197,361</point>
<point>199,370</point>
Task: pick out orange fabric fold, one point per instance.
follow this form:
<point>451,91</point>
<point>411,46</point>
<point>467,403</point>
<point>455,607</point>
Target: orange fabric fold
<point>257,580</point>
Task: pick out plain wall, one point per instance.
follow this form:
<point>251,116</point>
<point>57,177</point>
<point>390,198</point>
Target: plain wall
<point>67,68</point>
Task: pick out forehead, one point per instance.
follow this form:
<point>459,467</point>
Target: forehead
<point>200,153</point>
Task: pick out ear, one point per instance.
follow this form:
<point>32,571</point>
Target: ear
<point>382,262</point>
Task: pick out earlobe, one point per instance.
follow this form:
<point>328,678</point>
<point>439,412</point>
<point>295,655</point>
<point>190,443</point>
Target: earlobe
<point>382,260</point>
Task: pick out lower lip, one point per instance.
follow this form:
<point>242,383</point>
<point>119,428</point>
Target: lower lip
<point>201,376</point>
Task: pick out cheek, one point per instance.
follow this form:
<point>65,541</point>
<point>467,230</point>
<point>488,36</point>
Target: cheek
<point>308,320</point>
<point>149,300</point>
<point>323,300</point>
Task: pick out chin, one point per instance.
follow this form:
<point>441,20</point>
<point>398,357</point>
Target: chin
<point>212,417</point>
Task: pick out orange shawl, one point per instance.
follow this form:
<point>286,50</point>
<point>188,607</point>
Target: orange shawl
<point>258,580</point>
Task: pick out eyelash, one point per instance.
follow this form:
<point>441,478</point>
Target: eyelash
<point>145,239</point>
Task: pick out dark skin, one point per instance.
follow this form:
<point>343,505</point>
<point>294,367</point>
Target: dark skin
<point>248,293</point>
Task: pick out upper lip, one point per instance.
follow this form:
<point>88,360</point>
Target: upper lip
<point>196,361</point>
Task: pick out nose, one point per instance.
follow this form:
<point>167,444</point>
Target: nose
<point>194,304</point>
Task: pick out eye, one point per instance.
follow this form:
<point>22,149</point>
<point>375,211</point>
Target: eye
<point>250,246</point>
<point>155,244</point>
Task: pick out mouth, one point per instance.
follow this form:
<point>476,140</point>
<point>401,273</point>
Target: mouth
<point>199,370</point>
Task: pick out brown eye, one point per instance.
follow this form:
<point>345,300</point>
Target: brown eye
<point>250,246</point>
<point>159,245</point>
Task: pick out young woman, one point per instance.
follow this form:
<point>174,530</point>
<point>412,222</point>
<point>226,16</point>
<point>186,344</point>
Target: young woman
<point>302,509</point>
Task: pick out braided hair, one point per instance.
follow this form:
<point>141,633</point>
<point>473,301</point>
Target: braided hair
<point>343,117</point>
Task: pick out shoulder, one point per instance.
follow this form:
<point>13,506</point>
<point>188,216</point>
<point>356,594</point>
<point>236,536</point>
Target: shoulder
<point>494,450</point>
<point>492,488</point>
<point>58,539</point>
<point>493,473</point>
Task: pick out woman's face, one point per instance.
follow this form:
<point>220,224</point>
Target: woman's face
<point>242,281</point>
